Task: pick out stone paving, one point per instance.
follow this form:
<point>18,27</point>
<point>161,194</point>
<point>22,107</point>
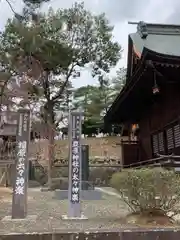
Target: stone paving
<point>102,214</point>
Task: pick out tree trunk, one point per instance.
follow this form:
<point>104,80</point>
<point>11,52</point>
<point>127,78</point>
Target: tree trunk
<point>51,145</point>
<point>50,155</point>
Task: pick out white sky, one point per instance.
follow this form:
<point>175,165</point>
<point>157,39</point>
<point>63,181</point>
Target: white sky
<point>119,13</point>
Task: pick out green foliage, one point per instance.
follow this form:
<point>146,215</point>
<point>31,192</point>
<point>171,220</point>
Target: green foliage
<point>84,97</point>
<point>148,189</point>
<point>96,100</point>
<point>119,81</point>
<point>35,1</point>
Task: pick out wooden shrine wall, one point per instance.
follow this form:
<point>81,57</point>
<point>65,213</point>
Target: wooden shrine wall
<point>160,128</point>
<point>144,139</point>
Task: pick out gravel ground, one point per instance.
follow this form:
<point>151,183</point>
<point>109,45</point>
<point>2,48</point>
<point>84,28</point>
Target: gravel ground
<point>102,214</point>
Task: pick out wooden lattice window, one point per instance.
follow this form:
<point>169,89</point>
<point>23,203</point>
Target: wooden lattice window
<point>170,138</point>
<point>158,143</point>
<point>155,143</point>
<point>161,142</point>
<point>177,135</point>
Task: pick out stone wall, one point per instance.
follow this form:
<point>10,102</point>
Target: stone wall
<point>99,148</point>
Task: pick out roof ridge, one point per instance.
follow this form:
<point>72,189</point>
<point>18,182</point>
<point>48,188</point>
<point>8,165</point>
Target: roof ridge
<point>163,25</point>
<point>149,28</point>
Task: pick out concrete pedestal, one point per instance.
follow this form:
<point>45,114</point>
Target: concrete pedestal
<point>85,195</point>
<point>28,218</point>
<point>66,217</point>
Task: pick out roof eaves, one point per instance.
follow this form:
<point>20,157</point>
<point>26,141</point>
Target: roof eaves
<point>126,88</point>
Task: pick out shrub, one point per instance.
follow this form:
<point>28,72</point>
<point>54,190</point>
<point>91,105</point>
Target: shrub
<point>101,176</point>
<point>59,183</point>
<point>60,172</point>
<point>40,175</point>
<point>148,190</point>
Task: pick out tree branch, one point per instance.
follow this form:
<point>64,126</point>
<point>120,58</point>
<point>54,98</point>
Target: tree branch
<point>59,94</point>
<point>8,2</point>
<point>61,91</point>
<point>46,85</point>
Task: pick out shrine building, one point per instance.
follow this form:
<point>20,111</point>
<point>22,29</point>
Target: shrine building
<point>149,103</point>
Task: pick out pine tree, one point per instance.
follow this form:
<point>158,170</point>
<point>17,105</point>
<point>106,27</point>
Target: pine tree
<point>46,52</point>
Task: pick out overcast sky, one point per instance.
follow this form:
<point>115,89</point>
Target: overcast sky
<point>119,13</point>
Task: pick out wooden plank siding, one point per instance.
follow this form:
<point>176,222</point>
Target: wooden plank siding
<point>160,127</point>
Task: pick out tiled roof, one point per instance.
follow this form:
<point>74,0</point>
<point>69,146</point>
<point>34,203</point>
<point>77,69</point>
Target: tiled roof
<point>160,38</point>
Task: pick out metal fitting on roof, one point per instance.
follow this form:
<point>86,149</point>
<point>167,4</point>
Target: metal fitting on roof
<point>142,29</point>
